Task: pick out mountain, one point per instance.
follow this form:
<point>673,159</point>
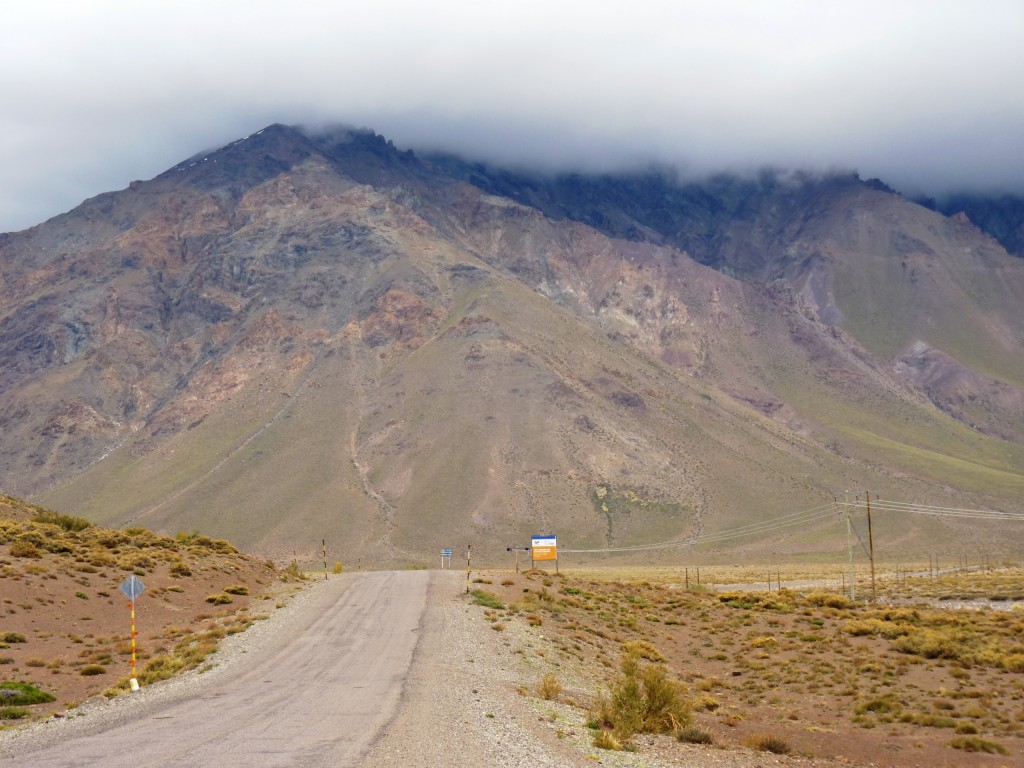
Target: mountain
<point>306,336</point>
<point>1001,216</point>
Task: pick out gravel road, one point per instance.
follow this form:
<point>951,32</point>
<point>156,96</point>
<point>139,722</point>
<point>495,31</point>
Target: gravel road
<point>367,669</point>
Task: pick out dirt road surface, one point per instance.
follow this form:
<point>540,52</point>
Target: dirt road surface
<point>368,669</point>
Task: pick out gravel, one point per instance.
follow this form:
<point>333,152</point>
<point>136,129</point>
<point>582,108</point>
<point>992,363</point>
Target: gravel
<point>467,700</point>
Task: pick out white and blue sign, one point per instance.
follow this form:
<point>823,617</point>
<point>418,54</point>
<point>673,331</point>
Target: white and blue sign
<point>132,587</point>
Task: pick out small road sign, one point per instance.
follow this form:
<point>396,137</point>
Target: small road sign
<point>446,552</point>
<point>132,587</point>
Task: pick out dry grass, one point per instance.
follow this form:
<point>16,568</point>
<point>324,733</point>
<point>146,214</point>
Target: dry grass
<point>791,664</point>
<point>62,613</point>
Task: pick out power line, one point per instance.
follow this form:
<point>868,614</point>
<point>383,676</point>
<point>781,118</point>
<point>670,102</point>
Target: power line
<point>925,509</point>
<point>805,516</point>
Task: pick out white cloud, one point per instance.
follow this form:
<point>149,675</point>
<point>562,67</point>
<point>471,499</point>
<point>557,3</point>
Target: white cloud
<point>98,93</point>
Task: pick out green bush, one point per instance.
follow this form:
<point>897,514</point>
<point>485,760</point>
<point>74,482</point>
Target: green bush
<point>487,599</point>
<point>643,700</point>
<point>12,693</point>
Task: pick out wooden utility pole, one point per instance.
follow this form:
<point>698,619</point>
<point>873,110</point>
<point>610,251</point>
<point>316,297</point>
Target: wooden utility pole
<point>849,544</point>
<point>871,549</point>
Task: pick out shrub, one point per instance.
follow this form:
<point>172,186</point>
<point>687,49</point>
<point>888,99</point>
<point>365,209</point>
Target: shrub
<point>766,742</point>
<point>933,643</point>
<point>487,599</point>
<point>22,693</point>
<point>338,567</point>
<point>605,740</point>
<point>706,703</point>
<point>1013,662</point>
<point>694,735</point>
<point>548,687</point>
<point>91,670</point>
<point>180,568</point>
<point>67,522</point>
<point>13,713</point>
<point>643,649</point>
<point>219,599</point>
<point>160,668</point>
<point>888,704</point>
<point>643,700</point>
<point>12,637</point>
<point>237,589</point>
<point>974,744</point>
<point>292,572</point>
<point>829,600</point>
<point>25,549</point>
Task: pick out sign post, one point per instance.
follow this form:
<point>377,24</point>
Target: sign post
<point>517,550</point>
<point>446,555</point>
<point>544,548</point>
<point>132,588</point>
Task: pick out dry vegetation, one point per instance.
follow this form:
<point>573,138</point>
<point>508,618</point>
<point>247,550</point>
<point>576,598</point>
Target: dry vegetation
<point>65,627</point>
<point>807,672</point>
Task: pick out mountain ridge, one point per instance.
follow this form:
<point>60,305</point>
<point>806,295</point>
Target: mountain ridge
<point>178,349</point>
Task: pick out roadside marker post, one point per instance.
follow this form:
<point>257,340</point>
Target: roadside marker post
<point>469,549</point>
<point>517,550</point>
<point>132,587</point>
<point>325,558</point>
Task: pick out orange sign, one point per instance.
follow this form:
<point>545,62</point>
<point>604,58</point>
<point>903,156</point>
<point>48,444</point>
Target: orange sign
<point>544,548</point>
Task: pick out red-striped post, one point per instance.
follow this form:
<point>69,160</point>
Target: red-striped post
<point>134,635</point>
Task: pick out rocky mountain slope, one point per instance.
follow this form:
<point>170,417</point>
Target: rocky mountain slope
<point>298,337</point>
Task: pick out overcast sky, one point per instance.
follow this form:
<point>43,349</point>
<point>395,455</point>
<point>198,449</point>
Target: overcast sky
<point>928,96</point>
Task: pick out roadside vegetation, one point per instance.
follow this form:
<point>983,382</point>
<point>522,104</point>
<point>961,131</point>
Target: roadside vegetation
<point>807,672</point>
<point>65,631</point>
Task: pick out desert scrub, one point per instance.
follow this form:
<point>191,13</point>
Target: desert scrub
<point>766,742</point>
<point>643,649</point>
<point>694,735</point>
<point>548,687</point>
<point>487,599</point>
<point>219,599</point>
<point>15,693</point>
<point>642,700</point>
<point>237,589</point>
<point>829,600</point>
<point>974,744</point>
